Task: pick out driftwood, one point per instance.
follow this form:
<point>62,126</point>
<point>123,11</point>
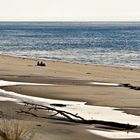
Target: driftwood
<point>130,86</point>
<point>58,105</point>
<point>70,116</point>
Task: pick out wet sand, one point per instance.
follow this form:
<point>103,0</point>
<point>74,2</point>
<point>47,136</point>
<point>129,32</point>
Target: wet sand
<point>71,82</point>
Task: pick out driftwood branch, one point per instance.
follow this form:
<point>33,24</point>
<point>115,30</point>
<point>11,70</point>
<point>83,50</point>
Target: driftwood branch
<point>70,116</point>
<point>130,86</point>
<point>66,114</point>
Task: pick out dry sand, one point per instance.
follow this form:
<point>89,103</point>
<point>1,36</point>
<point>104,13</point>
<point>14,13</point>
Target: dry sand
<point>71,83</point>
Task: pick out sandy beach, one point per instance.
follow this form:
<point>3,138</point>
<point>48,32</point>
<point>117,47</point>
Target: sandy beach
<point>71,82</point>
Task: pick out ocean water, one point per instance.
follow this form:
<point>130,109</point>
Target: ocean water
<point>113,44</point>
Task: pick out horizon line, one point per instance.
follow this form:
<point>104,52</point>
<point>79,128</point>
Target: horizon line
<point>71,21</point>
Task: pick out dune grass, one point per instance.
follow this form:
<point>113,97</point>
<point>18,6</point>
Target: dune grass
<point>15,130</point>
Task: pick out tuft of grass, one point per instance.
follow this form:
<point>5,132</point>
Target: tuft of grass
<point>15,130</point>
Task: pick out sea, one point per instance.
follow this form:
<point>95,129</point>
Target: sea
<point>100,43</point>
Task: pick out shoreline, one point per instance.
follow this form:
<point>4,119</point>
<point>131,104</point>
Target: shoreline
<point>68,70</point>
<point>64,61</point>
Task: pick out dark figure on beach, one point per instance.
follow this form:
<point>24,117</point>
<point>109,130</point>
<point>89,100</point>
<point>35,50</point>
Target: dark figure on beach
<point>38,63</point>
<point>41,63</point>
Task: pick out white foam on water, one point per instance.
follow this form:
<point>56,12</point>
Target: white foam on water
<point>104,84</point>
<point>116,134</point>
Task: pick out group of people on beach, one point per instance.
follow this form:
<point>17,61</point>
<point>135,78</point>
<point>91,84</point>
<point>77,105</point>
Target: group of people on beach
<point>40,63</point>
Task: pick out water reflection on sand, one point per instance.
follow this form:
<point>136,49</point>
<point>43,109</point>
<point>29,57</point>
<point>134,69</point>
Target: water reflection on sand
<point>80,108</point>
